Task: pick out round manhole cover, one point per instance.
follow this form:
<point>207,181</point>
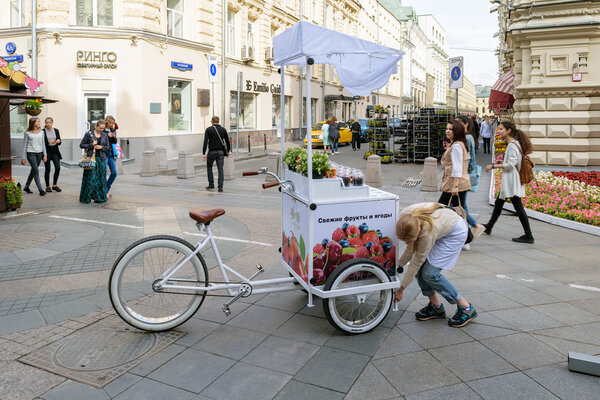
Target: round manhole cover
<point>102,349</point>
<point>12,241</point>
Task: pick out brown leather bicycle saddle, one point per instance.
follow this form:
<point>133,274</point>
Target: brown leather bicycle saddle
<point>205,216</point>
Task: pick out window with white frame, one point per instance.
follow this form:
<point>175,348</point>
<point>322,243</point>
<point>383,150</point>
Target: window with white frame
<point>276,114</point>
<point>231,33</point>
<point>17,13</point>
<point>94,12</point>
<point>180,105</point>
<point>250,36</point>
<point>175,18</point>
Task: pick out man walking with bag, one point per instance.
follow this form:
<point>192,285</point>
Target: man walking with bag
<point>217,141</point>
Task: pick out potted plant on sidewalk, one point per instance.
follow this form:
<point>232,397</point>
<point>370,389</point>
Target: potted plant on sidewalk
<point>13,195</point>
<point>291,157</point>
<point>320,165</point>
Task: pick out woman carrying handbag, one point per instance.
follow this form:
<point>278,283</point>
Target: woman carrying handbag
<point>456,181</point>
<point>93,183</point>
<point>511,186</point>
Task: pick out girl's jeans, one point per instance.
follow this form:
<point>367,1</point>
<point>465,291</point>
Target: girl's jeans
<point>112,164</point>
<point>334,146</point>
<point>431,280</point>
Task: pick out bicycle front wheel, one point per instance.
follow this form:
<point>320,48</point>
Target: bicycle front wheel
<point>357,313</point>
<point>139,266</point>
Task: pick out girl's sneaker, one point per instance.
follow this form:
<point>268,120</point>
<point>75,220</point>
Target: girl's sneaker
<point>462,317</point>
<point>430,312</point>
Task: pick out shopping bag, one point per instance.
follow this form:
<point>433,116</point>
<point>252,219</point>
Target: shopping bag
<point>88,162</point>
<point>475,176</point>
<point>463,214</point>
<point>117,151</point>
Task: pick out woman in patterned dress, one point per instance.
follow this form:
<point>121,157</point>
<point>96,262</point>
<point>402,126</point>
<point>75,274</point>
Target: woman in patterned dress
<point>93,184</point>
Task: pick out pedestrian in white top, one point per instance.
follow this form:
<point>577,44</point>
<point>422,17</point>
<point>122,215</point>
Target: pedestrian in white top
<point>511,187</point>
<point>434,235</point>
<point>486,133</point>
<point>34,151</point>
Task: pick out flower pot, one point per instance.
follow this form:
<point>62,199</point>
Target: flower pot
<point>291,168</point>
<point>33,112</point>
<point>317,175</point>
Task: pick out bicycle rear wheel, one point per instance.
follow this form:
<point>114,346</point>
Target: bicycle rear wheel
<point>139,266</point>
<point>357,313</point>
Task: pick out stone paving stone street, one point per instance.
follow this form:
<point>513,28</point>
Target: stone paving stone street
<point>53,286</point>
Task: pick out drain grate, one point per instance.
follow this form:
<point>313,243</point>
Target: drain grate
<point>101,352</point>
<point>410,183</point>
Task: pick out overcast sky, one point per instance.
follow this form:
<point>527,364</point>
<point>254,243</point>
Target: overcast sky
<point>468,24</point>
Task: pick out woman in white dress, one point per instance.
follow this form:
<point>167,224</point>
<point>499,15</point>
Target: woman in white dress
<point>511,188</point>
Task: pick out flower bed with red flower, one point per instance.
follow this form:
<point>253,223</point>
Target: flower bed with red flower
<point>589,177</point>
<point>561,197</point>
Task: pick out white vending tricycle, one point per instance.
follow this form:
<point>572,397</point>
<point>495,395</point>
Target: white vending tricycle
<point>338,242</point>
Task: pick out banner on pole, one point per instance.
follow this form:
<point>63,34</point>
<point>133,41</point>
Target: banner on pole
<point>456,72</point>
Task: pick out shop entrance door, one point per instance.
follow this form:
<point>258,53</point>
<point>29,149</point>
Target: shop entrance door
<point>95,109</point>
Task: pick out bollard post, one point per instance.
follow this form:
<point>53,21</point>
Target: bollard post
<point>231,144</point>
<point>229,168</point>
<point>430,180</point>
<point>161,158</point>
<point>149,167</point>
<point>248,144</point>
<point>374,177</point>
<point>185,165</point>
<point>265,138</point>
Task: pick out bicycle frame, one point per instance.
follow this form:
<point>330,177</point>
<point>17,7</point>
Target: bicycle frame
<point>233,289</point>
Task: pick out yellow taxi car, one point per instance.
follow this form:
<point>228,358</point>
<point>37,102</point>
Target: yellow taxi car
<point>345,134</point>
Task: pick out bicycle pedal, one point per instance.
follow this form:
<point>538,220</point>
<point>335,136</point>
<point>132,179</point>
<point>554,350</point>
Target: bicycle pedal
<point>260,271</point>
<point>226,310</point>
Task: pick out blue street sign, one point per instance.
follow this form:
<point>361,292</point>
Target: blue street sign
<point>10,47</point>
<point>213,70</point>
<point>455,73</point>
<point>18,58</point>
<point>181,66</point>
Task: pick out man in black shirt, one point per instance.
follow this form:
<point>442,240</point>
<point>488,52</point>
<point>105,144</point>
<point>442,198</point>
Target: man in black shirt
<point>217,141</point>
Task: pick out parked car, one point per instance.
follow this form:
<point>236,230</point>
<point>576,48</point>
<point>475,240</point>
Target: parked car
<point>363,129</point>
<point>345,134</point>
<point>394,122</point>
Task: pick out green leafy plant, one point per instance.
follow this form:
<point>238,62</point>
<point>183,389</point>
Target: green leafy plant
<point>14,197</point>
<point>320,163</point>
<point>290,158</point>
<point>302,163</point>
<point>33,104</point>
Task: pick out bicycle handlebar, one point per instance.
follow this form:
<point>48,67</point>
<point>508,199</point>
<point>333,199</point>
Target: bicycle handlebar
<point>249,173</point>
<point>270,184</point>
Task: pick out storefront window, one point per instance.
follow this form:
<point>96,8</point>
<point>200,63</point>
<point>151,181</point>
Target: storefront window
<point>180,105</point>
<point>313,111</point>
<point>277,110</point>
<point>17,13</point>
<point>94,12</point>
<point>247,110</point>
<point>175,18</point>
<point>18,121</point>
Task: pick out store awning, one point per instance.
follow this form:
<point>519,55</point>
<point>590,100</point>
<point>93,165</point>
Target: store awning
<point>501,95</point>
<point>362,66</point>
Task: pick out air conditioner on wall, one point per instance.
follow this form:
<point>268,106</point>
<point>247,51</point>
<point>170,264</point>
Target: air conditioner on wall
<point>247,53</point>
<point>269,54</point>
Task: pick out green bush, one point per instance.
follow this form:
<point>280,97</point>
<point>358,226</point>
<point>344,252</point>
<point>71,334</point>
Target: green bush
<point>14,197</point>
<point>292,155</point>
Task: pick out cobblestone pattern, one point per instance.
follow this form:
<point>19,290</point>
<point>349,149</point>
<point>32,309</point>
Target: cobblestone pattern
<point>21,240</point>
<point>15,305</point>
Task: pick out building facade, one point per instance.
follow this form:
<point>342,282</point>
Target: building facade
<point>437,58</point>
<point>553,48</point>
<point>482,106</point>
<point>147,64</point>
<point>467,102</point>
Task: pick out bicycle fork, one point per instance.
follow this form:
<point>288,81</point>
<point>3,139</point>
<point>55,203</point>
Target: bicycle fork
<point>245,290</point>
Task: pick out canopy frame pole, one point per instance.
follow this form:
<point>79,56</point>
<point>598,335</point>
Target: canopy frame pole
<point>282,123</point>
<point>309,171</point>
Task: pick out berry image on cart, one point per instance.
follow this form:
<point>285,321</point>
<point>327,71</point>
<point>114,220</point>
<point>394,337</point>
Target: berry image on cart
<point>337,241</point>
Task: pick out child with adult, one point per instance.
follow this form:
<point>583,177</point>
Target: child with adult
<point>111,131</point>
<point>34,152</point>
<point>518,144</point>
<point>52,142</point>
<point>434,235</point>
<point>93,183</point>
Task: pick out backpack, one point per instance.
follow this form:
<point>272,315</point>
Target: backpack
<point>526,171</point>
